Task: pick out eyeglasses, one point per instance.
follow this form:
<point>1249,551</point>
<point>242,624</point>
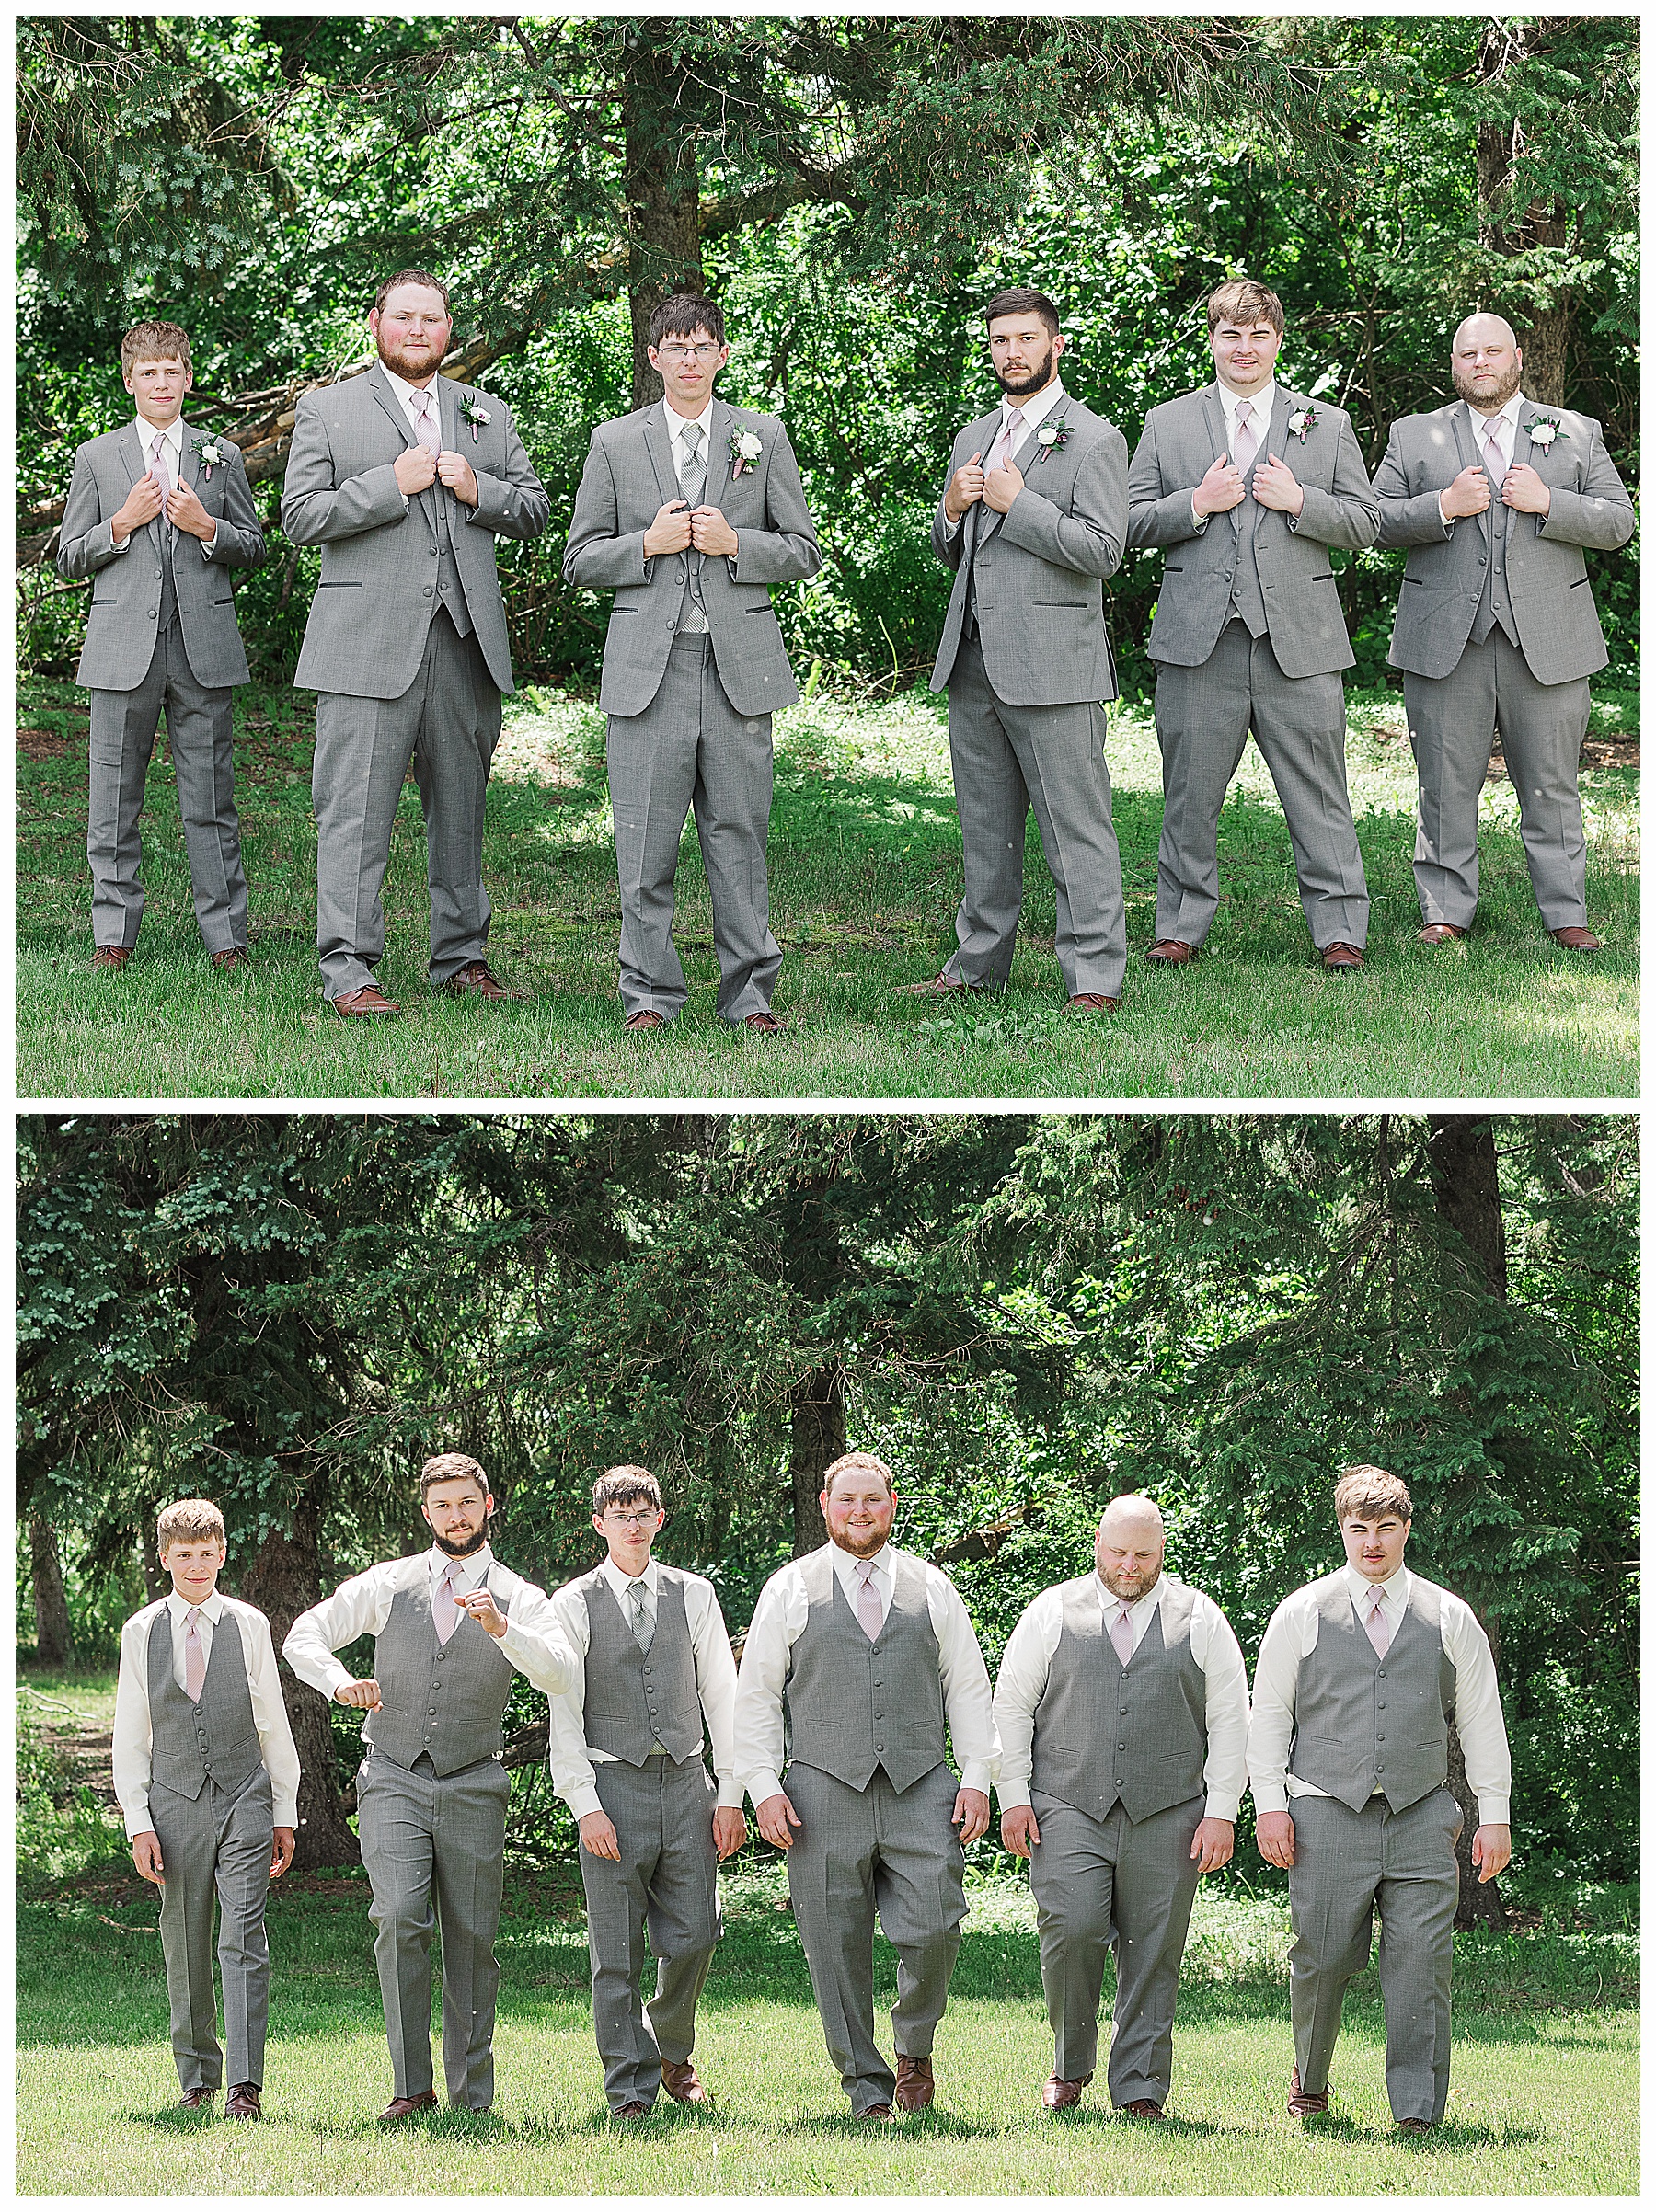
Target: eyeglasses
<point>678,353</point>
<point>629,1520</point>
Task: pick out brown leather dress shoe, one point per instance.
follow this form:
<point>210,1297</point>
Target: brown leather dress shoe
<point>400,2108</point>
<point>630,2112</point>
<point>1577,940</point>
<point>233,955</point>
<point>1306,2103</point>
<point>1341,960</point>
<point>1091,1002</point>
<point>940,986</point>
<point>242,2102</point>
<point>476,981</point>
<point>112,955</point>
<point>1170,952</point>
<point>645,1018</point>
<point>1142,2108</point>
<point>1438,932</point>
<point>1415,2127</point>
<point>873,2112</point>
<point>762,1024</point>
<point>1059,2094</point>
<point>194,2099</point>
<point>915,2088</point>
<point>370,1000</point>
<point>678,2079</point>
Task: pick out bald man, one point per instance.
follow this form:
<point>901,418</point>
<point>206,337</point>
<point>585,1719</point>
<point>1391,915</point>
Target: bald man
<point>1495,497</point>
<point>1122,1713</point>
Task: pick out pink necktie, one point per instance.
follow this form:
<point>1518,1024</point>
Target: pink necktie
<point>1120,1634</point>
<point>158,467</point>
<point>1379,1635</point>
<point>1247,445</point>
<point>1000,452</point>
<point>869,1614</point>
<point>195,1663</point>
<point>444,1612</point>
<point>1493,460</point>
<point>430,436</point>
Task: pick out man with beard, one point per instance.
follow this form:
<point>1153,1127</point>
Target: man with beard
<point>450,1625</point>
<point>1032,519</point>
<point>405,478</point>
<point>1247,484</point>
<point>1495,497</point>
<point>855,1657</point>
<point>1122,1713</point>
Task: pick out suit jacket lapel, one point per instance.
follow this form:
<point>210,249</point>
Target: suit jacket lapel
<point>393,404</point>
<point>659,446</point>
<point>1023,449</point>
<point>1466,446</point>
<point>188,461</point>
<point>982,435</point>
<point>720,423</point>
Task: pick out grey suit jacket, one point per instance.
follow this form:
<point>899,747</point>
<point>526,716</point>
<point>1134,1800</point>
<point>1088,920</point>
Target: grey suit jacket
<point>1181,439</point>
<point>126,593</point>
<point>1040,567</point>
<point>378,589</point>
<point>1557,622</point>
<point>628,478</point>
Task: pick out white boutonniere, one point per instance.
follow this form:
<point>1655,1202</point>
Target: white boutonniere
<point>745,447</point>
<point>207,452</point>
<point>1301,423</point>
<point>1051,435</point>
<point>472,411</point>
<point>1544,430</point>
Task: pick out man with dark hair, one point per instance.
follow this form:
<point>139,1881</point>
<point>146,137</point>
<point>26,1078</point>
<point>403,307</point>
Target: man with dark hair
<point>1032,519</point>
<point>1248,633</point>
<point>1496,498</point>
<point>1360,1676</point>
<point>450,1626</point>
<point>690,510</point>
<point>859,1657</point>
<point>652,1663</point>
<point>158,514</point>
<point>405,478</point>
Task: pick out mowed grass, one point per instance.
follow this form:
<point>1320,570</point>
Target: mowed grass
<point>865,876</point>
<point>1544,2100</point>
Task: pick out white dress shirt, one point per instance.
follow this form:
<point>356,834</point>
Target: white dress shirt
<point>174,436</point>
<point>130,1753</point>
<point>1258,423</point>
<point>573,1758</point>
<point>1505,426</point>
<point>678,424</point>
<point>1213,1646</point>
<point>1023,415</point>
<point>779,1622</point>
<point>1291,1636</point>
<point>534,1640</point>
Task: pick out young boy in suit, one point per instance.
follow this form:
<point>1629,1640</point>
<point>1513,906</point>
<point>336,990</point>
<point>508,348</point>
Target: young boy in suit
<point>208,1777</point>
<point>157,514</point>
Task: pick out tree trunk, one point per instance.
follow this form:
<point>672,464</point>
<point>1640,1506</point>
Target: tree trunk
<point>1480,1904</point>
<point>817,1439</point>
<point>53,1647</point>
<point>663,195</point>
<point>1544,333</point>
<point>157,1580</point>
<point>1466,1185</point>
<point>284,1579</point>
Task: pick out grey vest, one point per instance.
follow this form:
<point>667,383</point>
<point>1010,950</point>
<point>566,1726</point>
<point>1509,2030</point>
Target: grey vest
<point>1495,602</point>
<point>443,1699</point>
<point>215,1741</point>
<point>1246,599</point>
<point>1363,1724</point>
<point>637,1702</point>
<point>853,1706</point>
<point>450,592</point>
<point>1137,1733</point>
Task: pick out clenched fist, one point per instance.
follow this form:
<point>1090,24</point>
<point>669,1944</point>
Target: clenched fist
<point>365,1696</point>
<point>669,533</point>
<point>1221,489</point>
<point>141,505</point>
<point>1468,495</point>
<point>965,489</point>
<point>414,469</point>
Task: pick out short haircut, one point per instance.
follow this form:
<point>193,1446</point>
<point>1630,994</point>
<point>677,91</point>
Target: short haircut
<point>191,1520</point>
<point>622,1486</point>
<point>452,1467</point>
<point>684,315</point>
<point>1022,300</point>
<point>412,275</point>
<point>859,1463</point>
<point>1368,1492</point>
<point>1243,301</point>
<point>153,341</point>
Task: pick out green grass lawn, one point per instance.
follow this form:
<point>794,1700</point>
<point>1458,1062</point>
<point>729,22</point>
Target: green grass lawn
<point>1544,2098</point>
<point>865,874</point>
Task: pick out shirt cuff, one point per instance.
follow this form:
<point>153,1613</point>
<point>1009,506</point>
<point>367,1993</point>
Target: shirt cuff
<point>763,1786</point>
<point>284,1812</point>
<point>1012,1794</point>
<point>138,1820</point>
<point>208,543</point>
<point>1494,1811</point>
<point>1201,520</point>
<point>123,545</point>
<point>583,1802</point>
<point>731,1794</point>
<point>976,1774</point>
<point>1447,521</point>
<point>1223,1809</point>
<point>1270,1797</point>
<point>336,1675</point>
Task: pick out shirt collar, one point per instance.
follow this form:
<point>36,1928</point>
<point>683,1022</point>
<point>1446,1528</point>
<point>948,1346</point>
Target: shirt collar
<point>1362,1588</point>
<point>1038,405</point>
<point>678,424</point>
<point>410,395</point>
<point>173,433</point>
<point>1262,403</point>
<point>621,1582</point>
<point>845,1563</point>
<point>1107,1597</point>
<point>212,1608</point>
<point>1508,414</point>
<point>476,1562</point>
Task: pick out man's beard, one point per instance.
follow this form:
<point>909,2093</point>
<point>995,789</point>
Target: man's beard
<point>411,372</point>
<point>1144,1589</point>
<point>462,1551</point>
<point>1491,401</point>
<point>862,1547</point>
<point>1033,380</point>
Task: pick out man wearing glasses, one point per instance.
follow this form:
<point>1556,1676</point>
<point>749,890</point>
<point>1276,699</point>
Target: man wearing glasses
<point>690,510</point>
<point>652,1661</point>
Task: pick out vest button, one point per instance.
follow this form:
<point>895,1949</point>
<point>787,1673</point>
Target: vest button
<point>433,1715</point>
<point>428,592</point>
<point>1122,1747</point>
<point>440,1656</point>
<point>647,1670</point>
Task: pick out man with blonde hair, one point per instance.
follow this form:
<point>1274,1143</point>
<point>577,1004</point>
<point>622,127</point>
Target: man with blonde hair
<point>858,1657</point>
<point>1123,1712</point>
<point>1359,1678</point>
<point>1246,485</point>
<point>207,1777</point>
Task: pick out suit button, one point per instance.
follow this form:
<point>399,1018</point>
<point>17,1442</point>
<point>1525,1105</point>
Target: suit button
<point>154,612</point>
<point>880,1747</point>
<point>428,592</point>
<point>670,625</point>
<point>434,1716</point>
<point>157,576</point>
<point>1483,560</point>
